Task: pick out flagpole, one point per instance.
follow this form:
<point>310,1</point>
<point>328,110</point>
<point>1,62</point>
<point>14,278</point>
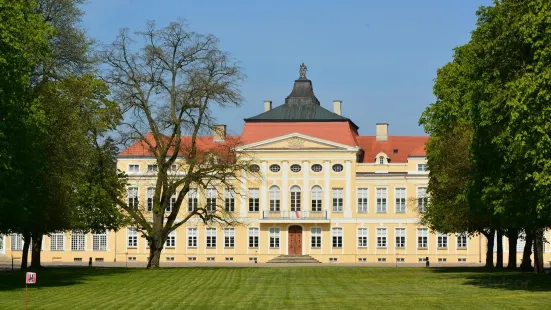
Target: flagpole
<point>26,295</point>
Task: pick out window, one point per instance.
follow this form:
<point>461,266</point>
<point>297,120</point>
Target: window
<point>274,168</point>
<point>99,241</point>
<point>317,168</point>
<point>337,199</point>
<point>211,199</point>
<point>229,237</point>
<point>274,198</point>
<point>338,168</point>
<point>192,237</point>
<point>16,242</point>
<point>173,167</point>
<point>316,237</point>
<point>152,168</point>
<point>295,168</point>
<point>362,237</point>
<point>132,234</point>
<point>337,237</point>
<point>400,200</point>
<point>295,198</point>
<point>171,240</point>
<point>462,241</point>
<point>381,200</point>
<point>78,241</point>
<point>57,241</point>
<point>133,197</point>
<point>192,258</point>
<point>422,199</point>
<point>316,199</point>
<point>442,240</point>
<point>171,204</point>
<point>229,200</point>
<point>422,167</point>
<point>381,160</point>
<point>381,237</point>
<point>422,237</point>
<point>253,237</point>
<point>254,200</point>
<point>442,259</point>
<point>150,194</point>
<point>254,168</point>
<point>192,202</point>
<point>363,198</point>
<point>133,168</point>
<point>274,238</point>
<point>211,237</point>
<point>400,237</point>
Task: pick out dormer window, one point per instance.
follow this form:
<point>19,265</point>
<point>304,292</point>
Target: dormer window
<point>381,160</point>
<point>152,168</point>
<point>133,168</point>
<point>422,167</point>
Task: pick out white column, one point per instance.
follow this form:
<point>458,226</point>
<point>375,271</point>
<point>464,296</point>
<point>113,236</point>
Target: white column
<point>263,189</point>
<point>285,187</point>
<point>242,209</point>
<point>348,189</point>
<point>305,187</point>
<point>327,187</point>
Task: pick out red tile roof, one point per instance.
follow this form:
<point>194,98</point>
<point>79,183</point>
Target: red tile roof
<point>406,146</point>
<point>339,132</point>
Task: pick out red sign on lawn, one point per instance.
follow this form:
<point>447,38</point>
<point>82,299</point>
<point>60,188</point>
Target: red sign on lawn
<point>30,278</point>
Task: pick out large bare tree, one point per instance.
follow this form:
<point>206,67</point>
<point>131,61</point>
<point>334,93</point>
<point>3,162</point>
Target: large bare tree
<point>166,86</point>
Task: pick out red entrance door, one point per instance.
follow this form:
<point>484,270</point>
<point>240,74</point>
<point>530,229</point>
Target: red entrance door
<point>295,240</point>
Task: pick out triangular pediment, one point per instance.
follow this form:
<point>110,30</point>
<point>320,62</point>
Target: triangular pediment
<point>296,141</point>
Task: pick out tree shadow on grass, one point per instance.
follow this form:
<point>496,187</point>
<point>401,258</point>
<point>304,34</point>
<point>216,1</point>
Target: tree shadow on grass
<point>56,276</point>
<point>503,279</point>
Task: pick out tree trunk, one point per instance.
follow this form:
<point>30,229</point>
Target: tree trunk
<point>25,254</point>
<point>526,264</point>
<point>538,251</point>
<point>512,238</point>
<point>36,250</point>
<point>490,249</point>
<point>154,259</point>
<point>499,254</point>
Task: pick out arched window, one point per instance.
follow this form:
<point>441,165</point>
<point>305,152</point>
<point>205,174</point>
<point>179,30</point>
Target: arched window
<point>381,160</point>
<point>295,198</point>
<point>274,198</point>
<point>316,199</point>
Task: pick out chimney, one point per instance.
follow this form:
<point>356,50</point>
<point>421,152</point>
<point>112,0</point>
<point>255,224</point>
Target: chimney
<point>382,132</point>
<point>337,107</point>
<point>219,133</point>
<point>267,105</point>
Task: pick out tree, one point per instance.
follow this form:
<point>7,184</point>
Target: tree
<point>166,89</point>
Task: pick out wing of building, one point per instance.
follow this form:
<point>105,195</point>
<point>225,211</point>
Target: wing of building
<point>325,191</point>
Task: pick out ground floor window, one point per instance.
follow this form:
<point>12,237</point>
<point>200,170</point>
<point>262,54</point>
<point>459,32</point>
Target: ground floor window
<point>192,237</point>
<point>211,237</point>
<point>99,241</point>
<point>171,240</point>
<point>337,237</point>
<point>16,242</point>
<point>400,237</point>
<point>316,237</point>
<point>132,234</point>
<point>78,240</point>
<point>462,241</point>
<point>442,240</point>
<point>229,237</point>
<point>274,237</point>
<point>381,237</point>
<point>422,237</point>
<point>253,237</point>
<point>57,242</point>
<point>362,237</point>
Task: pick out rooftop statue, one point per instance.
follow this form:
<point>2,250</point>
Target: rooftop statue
<point>302,71</point>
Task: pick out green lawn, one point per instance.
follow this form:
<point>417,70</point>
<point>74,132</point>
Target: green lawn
<point>277,288</point>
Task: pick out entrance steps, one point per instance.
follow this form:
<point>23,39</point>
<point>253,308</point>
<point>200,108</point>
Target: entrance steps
<point>294,259</point>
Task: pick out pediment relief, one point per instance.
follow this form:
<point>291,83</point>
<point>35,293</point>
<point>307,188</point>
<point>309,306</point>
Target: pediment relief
<point>297,142</point>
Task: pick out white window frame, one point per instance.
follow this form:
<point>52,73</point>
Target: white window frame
<point>315,237</point>
<point>400,195</point>
<point>422,167</point>
<point>382,238</point>
<point>381,199</point>
<point>229,238</point>
<point>133,168</point>
<point>152,168</point>
<point>337,237</point>
<point>133,194</point>
<point>57,241</point>
<point>170,242</point>
<point>211,196</point>
<point>274,234</point>
<point>229,200</point>
<point>442,241</point>
<point>422,238</point>
<point>131,238</point>
<point>422,199</point>
<point>192,200</point>
<point>462,241</point>
<point>254,237</point>
<point>275,198</point>
<point>317,198</point>
<point>210,237</point>
<point>363,237</point>
<point>338,199</point>
<point>362,198</point>
<point>192,237</point>
<point>17,242</point>
<point>150,194</point>
<point>400,236</point>
<point>295,198</point>
<point>99,241</point>
<point>171,203</point>
<point>254,200</point>
<point>78,241</point>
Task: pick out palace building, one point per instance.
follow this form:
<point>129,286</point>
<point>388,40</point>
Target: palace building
<point>325,191</point>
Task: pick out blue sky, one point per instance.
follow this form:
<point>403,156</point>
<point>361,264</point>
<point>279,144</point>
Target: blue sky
<point>379,57</point>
